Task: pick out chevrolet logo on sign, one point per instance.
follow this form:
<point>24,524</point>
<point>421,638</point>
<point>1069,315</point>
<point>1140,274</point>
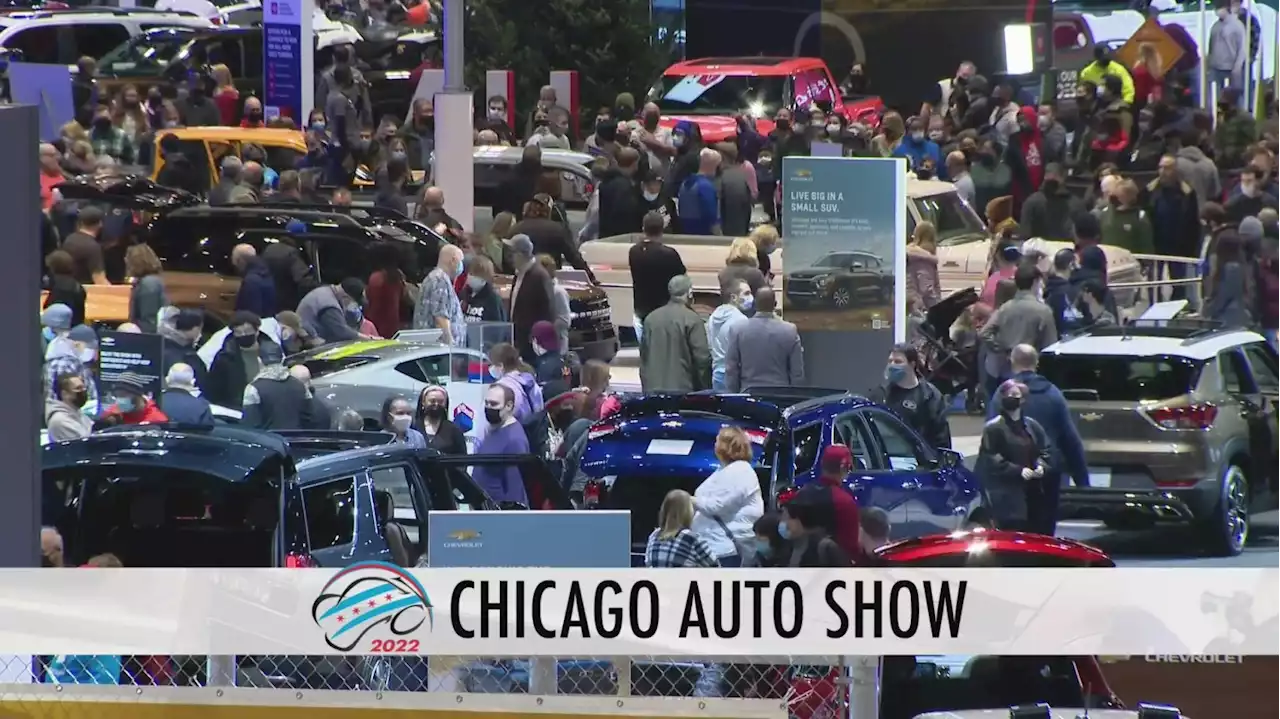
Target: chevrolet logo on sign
<point>464,535</point>
<point>1091,416</point>
<point>804,173</point>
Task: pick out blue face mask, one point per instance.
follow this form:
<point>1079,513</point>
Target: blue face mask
<point>895,373</point>
<point>317,126</point>
<point>784,530</point>
<point>355,315</point>
<point>763,548</point>
<point>747,303</point>
<point>48,334</point>
<point>126,404</point>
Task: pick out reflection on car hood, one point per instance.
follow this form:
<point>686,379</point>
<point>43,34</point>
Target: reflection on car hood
<point>1055,713</point>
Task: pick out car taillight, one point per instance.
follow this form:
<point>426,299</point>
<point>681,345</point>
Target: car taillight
<point>786,495</point>
<point>1196,416</point>
<point>601,429</point>
<point>299,561</point>
<point>590,188</point>
<point>593,494</point>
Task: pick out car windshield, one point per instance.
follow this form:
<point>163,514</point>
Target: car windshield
<point>719,94</point>
<point>145,55</point>
<point>955,221</point>
<point>1121,378</point>
<point>914,685</point>
<point>831,261</point>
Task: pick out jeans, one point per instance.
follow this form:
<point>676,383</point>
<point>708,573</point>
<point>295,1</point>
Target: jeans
<point>1222,79</point>
<point>717,379</point>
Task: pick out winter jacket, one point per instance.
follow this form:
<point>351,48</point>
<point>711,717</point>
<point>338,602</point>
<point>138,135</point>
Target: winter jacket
<point>527,393</point>
<point>148,413</point>
<point>186,408</point>
<point>729,497</point>
<point>177,348</point>
<point>1229,297</point>
<point>274,400</point>
<point>1175,218</point>
<point>1046,405</point>
<point>257,293</point>
<point>1232,137</point>
<point>228,378</point>
<point>718,324</point>
<point>1096,73</point>
<point>1059,298</point>
<point>1048,215</point>
<point>145,300</point>
<point>1022,320</point>
<point>1128,228</point>
<point>65,422</point>
<point>674,355</point>
<point>1197,170</point>
<point>845,513</point>
<point>1002,477</point>
<point>922,407</point>
<point>917,151</point>
<point>922,276</point>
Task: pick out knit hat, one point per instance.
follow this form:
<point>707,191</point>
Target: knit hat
<point>130,382</point>
<point>544,333</point>
<point>57,317</point>
<point>1250,230</point>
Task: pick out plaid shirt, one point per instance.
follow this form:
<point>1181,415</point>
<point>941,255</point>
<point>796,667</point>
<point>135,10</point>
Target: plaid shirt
<point>686,549</point>
<point>68,365</point>
<point>112,143</point>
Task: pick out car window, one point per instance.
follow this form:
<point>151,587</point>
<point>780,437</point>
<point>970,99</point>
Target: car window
<point>762,95</point>
<point>956,222</point>
<point>194,243</point>
<point>902,450</point>
<point>813,87</point>
<point>1236,378</point>
<point>1262,360</point>
<point>395,482</point>
<point>229,52</point>
<point>98,39</point>
<point>1121,378</point>
<point>331,512</point>
<point>428,370</point>
<point>914,685</point>
<point>38,43</point>
<point>338,258</point>
<point>146,55</point>
<point>851,432</point>
<point>807,440</point>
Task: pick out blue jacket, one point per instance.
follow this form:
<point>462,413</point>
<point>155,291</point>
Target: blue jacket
<point>185,408</point>
<point>257,292</point>
<point>1046,405</point>
<point>699,207</point>
<point>917,152</point>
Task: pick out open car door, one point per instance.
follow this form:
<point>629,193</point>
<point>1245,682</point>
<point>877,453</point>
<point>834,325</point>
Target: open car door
<point>541,486</point>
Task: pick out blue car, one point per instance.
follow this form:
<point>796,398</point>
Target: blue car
<point>659,443</point>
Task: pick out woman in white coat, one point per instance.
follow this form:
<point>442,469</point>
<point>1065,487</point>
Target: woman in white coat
<point>728,502</point>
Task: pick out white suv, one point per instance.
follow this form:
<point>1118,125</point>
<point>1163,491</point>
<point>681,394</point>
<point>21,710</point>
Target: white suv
<point>61,37</point>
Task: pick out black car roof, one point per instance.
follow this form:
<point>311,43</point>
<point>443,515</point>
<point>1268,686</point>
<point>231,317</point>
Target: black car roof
<point>228,453</point>
<point>353,461</point>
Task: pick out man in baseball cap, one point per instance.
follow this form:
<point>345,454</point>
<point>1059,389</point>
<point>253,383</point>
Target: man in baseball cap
<point>836,464</point>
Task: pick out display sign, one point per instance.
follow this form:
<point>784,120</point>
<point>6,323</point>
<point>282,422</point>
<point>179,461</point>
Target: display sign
<point>288,55</point>
<point>48,87</point>
<point>559,539</point>
<point>843,230</point>
<point>120,352</point>
<point>1167,50</point>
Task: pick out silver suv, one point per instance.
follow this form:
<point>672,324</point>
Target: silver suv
<point>1178,425</point>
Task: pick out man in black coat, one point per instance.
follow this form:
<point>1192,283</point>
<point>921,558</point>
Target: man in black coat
<point>621,206</point>
<point>1174,210</point>
<point>530,294</point>
<point>245,352</point>
<point>522,186</point>
<point>181,336</point>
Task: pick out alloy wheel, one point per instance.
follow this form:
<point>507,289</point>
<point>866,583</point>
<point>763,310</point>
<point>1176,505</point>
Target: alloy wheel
<point>1235,508</point>
<point>841,297</point>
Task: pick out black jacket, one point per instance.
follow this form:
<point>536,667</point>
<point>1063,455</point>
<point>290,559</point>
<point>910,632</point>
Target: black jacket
<point>652,265</point>
<point>174,350</point>
<point>922,407</point>
<point>621,205</point>
<point>1001,477</point>
<point>552,238</point>
<point>185,408</point>
<point>227,377</point>
<point>448,439</point>
<point>178,172</point>
<point>484,305</point>
<point>64,289</point>
<point>290,272</point>
<point>199,112</point>
<point>556,373</point>
<point>1175,218</point>
<point>257,293</point>
<point>221,192</point>
<point>316,414</point>
<point>275,400</point>
<point>1047,215</point>
<point>518,190</point>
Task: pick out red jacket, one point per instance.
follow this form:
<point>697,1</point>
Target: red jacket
<point>382,303</point>
<point>846,516</point>
<point>228,102</point>
<point>148,413</point>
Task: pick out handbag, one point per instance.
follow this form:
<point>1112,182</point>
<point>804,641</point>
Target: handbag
<point>738,547</point>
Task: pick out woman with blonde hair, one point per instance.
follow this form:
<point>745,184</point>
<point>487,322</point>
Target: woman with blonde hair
<point>728,503</point>
<point>922,265</point>
<point>225,95</point>
<point>743,263</point>
<point>766,239</point>
<point>672,543</point>
<point>128,114</point>
<point>146,299</point>
<point>1146,76</point>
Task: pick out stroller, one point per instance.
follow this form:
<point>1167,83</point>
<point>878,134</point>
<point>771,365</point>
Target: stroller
<point>951,368</point>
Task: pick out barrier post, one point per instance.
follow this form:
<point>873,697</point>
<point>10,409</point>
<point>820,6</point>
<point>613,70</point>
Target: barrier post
<point>502,83</point>
<point>565,83</point>
<point>220,671</point>
<point>622,666</point>
<point>863,677</point>
<point>542,677</point>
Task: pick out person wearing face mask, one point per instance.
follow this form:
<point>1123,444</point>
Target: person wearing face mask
<point>252,115</point>
<point>480,299</point>
<point>687,139</point>
<point>441,433</point>
<point>63,416</point>
<point>73,353</point>
<point>805,526</point>
<point>1053,135</point>
<point>504,435</point>
<point>771,550</point>
<point>1251,198</point>
<point>245,351</point>
<point>132,405</point>
<point>938,132</point>
<point>180,330</point>
<point>196,109</point>
<point>107,139</point>
<point>1025,319</point>
<point>1014,460</point>
<point>1025,157</point>
<point>390,194</point>
<point>737,299</point>
<point>438,306</point>
<point>555,372</point>
<point>653,201</point>
<point>992,178</point>
<point>1050,211</point>
<point>397,418</point>
<point>916,147</point>
<point>914,399</point>
<point>56,321</point>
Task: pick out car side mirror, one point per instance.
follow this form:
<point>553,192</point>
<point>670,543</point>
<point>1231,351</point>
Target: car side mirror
<point>949,458</point>
<point>857,266</point>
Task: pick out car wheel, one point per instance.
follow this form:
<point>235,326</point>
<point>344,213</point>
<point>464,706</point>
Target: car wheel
<point>842,298</point>
<point>1228,526</point>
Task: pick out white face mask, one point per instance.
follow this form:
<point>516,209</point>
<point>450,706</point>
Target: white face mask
<point>917,136</point>
<point>650,196</point>
<point>495,371</point>
<point>401,422</point>
<point>538,349</point>
<point>475,283</point>
<point>833,129</point>
<point>86,355</point>
<point>1249,190</point>
<point>746,302</point>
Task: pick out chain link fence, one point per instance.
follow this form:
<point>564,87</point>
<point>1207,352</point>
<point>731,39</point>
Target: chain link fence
<point>774,678</point>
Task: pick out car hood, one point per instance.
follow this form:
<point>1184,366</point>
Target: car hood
<point>811,272</point>
<point>1056,713</point>
<point>662,444</point>
<point>715,128</point>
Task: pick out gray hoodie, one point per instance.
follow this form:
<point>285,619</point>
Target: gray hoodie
<point>724,317</point>
<point>65,422</point>
<point>1226,44</point>
<point>1201,173</point>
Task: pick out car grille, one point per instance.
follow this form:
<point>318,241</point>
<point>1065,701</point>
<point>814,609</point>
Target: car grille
<point>590,310</point>
<point>801,286</point>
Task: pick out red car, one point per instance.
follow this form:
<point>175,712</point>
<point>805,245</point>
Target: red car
<point>953,685</point>
<point>710,92</point>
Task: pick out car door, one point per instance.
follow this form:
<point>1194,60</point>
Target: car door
<point>870,483</point>
<point>329,508</point>
<point>46,44</point>
<point>410,504</point>
<point>1263,429</point>
<point>906,463</point>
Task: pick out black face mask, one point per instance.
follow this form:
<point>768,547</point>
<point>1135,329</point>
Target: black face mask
<point>625,113</point>
<point>434,412</point>
<point>78,399</point>
<point>255,116</point>
<point>1050,186</point>
<point>651,122</point>
<point>1010,404</point>
<point>101,123</point>
<point>246,341</point>
<point>783,124</point>
<point>492,416</point>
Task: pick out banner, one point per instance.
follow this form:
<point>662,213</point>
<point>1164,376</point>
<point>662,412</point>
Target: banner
<point>843,244</point>
<point>139,353</point>
<point>288,55</point>
<point>379,608</point>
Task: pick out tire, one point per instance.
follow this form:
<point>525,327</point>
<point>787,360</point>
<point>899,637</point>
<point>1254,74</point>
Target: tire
<point>842,298</point>
<point>1226,528</point>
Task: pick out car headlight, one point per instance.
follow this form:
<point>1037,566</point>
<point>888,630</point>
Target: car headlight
<point>823,280</point>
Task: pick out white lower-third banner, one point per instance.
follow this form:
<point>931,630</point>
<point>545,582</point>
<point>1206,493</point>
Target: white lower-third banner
<point>380,608</point>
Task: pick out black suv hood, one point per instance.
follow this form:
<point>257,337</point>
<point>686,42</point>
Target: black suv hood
<point>133,191</point>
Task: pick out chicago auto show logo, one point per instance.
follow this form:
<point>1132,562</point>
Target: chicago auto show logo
<point>372,598</point>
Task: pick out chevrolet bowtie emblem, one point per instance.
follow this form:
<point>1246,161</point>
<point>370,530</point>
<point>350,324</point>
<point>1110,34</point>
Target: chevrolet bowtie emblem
<point>464,535</point>
<point>1091,416</point>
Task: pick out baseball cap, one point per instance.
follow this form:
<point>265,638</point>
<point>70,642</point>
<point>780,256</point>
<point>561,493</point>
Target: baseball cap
<point>1064,258</point>
<point>354,288</point>
<point>520,244</point>
<point>836,455</point>
<point>56,317</point>
<point>545,334</point>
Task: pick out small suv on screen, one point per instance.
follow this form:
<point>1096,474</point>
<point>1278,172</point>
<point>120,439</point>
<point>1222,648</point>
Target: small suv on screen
<point>1178,424</point>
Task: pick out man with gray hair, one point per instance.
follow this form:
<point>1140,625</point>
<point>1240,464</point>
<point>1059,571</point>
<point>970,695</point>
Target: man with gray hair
<point>699,202</point>
<point>181,400</point>
<point>1045,404</point>
<point>674,354</point>
<point>248,191</point>
<point>229,179</point>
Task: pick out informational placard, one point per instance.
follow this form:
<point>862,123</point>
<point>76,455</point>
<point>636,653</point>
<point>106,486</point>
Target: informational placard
<point>288,52</point>
<point>844,230</point>
<point>120,352</point>
<point>48,87</point>
<point>552,539</point>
